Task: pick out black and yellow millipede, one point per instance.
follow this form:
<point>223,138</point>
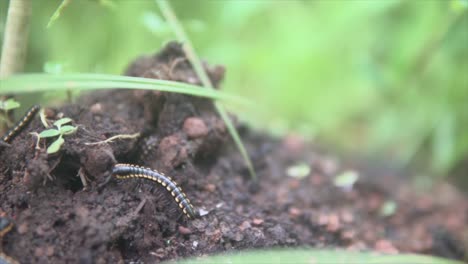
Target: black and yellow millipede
<point>130,171</point>
<point>5,226</point>
<point>21,124</point>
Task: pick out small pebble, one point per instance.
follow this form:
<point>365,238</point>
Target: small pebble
<point>184,230</point>
<point>194,127</point>
<point>23,228</point>
<point>294,212</point>
<point>96,108</point>
<point>244,225</point>
<point>385,246</point>
<point>50,251</point>
<point>257,221</point>
<point>210,187</point>
<point>203,212</point>
<point>333,224</point>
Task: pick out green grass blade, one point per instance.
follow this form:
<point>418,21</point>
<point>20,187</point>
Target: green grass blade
<point>307,256</point>
<point>171,18</point>
<point>26,83</point>
<point>58,12</point>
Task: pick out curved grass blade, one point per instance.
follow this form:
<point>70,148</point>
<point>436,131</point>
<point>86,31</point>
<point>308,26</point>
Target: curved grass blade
<point>171,18</point>
<point>58,12</point>
<point>307,256</point>
<point>40,82</point>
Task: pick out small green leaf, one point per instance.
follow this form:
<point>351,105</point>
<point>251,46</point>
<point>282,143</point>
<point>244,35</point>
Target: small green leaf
<point>53,67</point>
<point>388,208</point>
<point>62,121</point>
<point>55,146</point>
<point>300,170</point>
<point>49,133</point>
<point>9,104</point>
<point>346,179</point>
<point>67,130</point>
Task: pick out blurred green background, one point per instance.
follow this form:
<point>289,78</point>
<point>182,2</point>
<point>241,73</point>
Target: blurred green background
<point>382,78</point>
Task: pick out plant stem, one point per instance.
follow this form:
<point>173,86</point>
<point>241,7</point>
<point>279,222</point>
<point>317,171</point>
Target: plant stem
<point>14,45</point>
<point>171,18</point>
<point>15,38</point>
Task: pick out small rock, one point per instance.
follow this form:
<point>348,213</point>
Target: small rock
<point>294,212</point>
<point>244,225</point>
<point>38,252</point>
<point>257,221</point>
<point>96,108</point>
<point>50,251</point>
<point>194,127</point>
<point>23,228</point>
<point>348,235</point>
<point>203,212</point>
<point>278,233</point>
<point>333,224</point>
<point>323,219</point>
<point>184,230</point>
<point>210,187</point>
<point>171,151</point>
<point>49,113</point>
<point>294,143</point>
<point>385,246</point>
<point>347,217</point>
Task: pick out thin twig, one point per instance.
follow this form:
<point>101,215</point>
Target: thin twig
<point>122,136</point>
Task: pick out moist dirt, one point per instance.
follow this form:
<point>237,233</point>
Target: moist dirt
<point>65,212</point>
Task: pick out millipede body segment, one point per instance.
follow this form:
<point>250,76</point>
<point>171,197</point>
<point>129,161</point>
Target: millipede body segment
<point>5,227</point>
<point>129,171</point>
<point>21,124</point>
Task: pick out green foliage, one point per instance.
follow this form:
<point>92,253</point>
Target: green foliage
<point>27,83</point>
<point>346,179</point>
<point>9,105</point>
<point>300,170</point>
<point>56,145</point>
<point>388,208</point>
<point>59,131</point>
<point>307,256</point>
<point>6,106</point>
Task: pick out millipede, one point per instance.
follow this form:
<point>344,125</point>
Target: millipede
<point>5,227</point>
<point>21,124</point>
<point>129,171</point>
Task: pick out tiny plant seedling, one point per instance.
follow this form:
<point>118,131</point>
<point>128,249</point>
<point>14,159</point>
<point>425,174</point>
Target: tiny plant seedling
<point>60,130</point>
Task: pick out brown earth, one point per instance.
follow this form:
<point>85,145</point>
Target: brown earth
<point>60,220</point>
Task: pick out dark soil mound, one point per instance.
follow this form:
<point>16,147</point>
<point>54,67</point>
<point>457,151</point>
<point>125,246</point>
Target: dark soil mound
<point>64,213</point>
